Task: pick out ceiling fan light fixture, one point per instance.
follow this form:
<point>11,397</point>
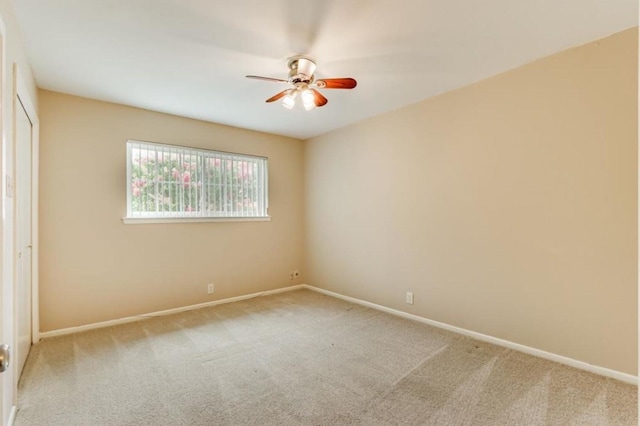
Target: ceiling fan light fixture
<point>308,100</point>
<point>289,101</point>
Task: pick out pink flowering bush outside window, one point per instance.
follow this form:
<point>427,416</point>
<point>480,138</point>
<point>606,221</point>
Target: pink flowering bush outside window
<point>172,181</point>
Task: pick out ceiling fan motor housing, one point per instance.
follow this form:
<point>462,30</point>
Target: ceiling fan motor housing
<point>301,69</point>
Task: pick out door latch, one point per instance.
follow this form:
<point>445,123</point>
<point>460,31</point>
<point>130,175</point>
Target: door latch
<point>4,357</point>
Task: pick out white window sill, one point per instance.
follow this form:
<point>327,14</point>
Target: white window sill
<point>145,220</point>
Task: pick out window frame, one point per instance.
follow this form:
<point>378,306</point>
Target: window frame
<point>131,218</point>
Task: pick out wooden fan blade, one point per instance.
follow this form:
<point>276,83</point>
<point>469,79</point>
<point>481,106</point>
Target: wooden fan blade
<point>277,96</point>
<point>336,83</point>
<point>277,80</point>
<point>318,99</point>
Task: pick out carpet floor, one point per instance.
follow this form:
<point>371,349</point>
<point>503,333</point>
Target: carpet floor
<point>302,358</point>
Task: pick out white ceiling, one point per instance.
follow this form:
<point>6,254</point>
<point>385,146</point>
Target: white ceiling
<point>189,57</point>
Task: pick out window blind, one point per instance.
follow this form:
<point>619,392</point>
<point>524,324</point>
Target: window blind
<point>167,181</point>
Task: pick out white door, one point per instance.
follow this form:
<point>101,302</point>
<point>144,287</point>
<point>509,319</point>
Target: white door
<point>6,286</point>
<point>23,186</point>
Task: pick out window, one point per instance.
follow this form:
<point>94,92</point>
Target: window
<point>173,183</point>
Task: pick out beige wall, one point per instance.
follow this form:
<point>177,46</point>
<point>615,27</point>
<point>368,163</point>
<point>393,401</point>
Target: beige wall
<point>95,268</point>
<point>508,207</point>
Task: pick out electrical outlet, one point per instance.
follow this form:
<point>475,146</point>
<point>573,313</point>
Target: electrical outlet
<point>410,298</point>
<point>291,275</point>
<point>296,274</point>
<point>210,288</point>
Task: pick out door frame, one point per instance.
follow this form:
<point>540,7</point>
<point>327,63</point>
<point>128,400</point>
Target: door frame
<point>7,384</point>
<point>21,96</point>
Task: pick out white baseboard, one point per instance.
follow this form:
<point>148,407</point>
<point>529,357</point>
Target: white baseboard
<point>71,330</point>
<point>623,377</point>
<point>602,371</point>
<point>12,416</point>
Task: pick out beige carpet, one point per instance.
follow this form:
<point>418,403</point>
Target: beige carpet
<point>301,358</point>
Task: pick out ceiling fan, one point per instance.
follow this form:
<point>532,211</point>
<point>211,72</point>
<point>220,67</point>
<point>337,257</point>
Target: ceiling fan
<point>301,69</point>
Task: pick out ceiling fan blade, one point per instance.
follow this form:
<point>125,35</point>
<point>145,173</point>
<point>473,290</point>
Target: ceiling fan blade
<point>277,96</point>
<point>277,80</point>
<point>336,83</point>
<point>318,99</point>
